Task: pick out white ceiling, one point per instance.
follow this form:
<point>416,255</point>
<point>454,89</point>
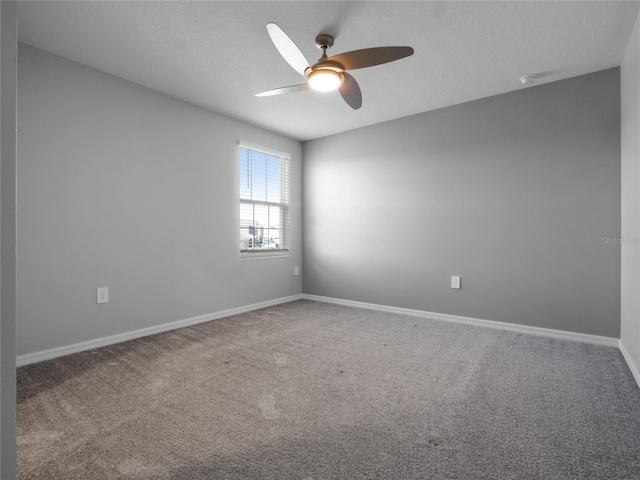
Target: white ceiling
<point>218,54</point>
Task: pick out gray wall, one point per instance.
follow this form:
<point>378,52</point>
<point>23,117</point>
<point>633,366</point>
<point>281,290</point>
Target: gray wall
<point>8,51</point>
<point>124,187</point>
<point>630,116</point>
<point>514,193</point>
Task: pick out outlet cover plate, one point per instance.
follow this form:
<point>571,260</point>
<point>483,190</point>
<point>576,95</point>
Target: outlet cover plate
<point>103,294</point>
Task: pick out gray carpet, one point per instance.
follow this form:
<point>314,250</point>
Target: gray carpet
<point>314,391</point>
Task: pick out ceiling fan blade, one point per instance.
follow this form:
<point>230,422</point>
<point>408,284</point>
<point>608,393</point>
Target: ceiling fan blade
<point>368,57</point>
<point>350,91</point>
<point>280,91</point>
<point>289,50</point>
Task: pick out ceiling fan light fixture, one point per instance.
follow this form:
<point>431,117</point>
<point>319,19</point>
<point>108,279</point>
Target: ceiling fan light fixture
<point>330,73</point>
<point>325,80</point>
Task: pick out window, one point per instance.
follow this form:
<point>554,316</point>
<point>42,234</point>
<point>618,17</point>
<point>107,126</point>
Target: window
<point>264,202</point>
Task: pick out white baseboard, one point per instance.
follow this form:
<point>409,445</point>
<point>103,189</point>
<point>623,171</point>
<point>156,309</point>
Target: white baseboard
<point>635,370</point>
<point>544,332</point>
<point>144,332</point>
<point>123,337</point>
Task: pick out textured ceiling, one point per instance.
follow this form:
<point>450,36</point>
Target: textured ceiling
<point>218,54</point>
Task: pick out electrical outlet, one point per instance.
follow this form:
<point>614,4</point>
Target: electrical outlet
<point>103,294</point>
<point>296,270</point>
<point>455,282</point>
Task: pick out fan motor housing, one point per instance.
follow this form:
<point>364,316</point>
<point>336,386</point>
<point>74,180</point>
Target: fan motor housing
<point>324,40</point>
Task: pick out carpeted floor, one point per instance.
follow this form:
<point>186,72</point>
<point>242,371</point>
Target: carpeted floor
<point>314,391</point>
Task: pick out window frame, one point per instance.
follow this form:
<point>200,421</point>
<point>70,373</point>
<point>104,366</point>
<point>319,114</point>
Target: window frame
<point>285,221</point>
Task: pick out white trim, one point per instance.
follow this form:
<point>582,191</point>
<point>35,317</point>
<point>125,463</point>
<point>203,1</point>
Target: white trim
<point>263,149</point>
<point>144,332</point>
<point>635,370</point>
<point>512,327</point>
<point>123,337</point>
<point>262,254</point>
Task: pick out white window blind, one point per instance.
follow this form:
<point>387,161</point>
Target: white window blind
<point>264,203</point>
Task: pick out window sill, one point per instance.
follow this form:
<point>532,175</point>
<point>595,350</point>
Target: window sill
<point>261,254</point>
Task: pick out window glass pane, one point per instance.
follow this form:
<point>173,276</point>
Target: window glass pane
<point>275,219</point>
<point>258,176</point>
<point>245,178</point>
<point>246,226</point>
<point>273,177</point>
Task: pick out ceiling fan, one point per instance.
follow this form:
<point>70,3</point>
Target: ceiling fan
<point>329,73</point>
